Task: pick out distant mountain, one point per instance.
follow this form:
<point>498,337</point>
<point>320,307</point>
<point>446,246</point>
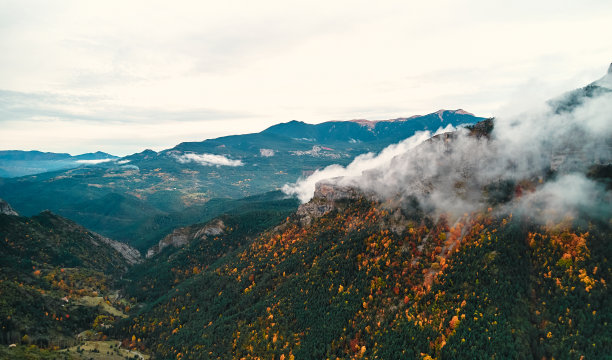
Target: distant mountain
<point>134,198</point>
<point>370,131</point>
<point>14,163</point>
<point>32,155</point>
<point>98,155</point>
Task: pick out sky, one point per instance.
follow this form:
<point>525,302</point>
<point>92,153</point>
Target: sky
<point>124,76</point>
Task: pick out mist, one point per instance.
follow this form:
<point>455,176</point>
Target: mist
<point>208,160</point>
<point>534,160</point>
<point>304,188</point>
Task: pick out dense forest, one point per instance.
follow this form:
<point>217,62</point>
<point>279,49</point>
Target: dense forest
<point>57,279</point>
<point>367,282</point>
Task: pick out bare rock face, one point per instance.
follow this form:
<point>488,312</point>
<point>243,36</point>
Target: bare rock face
<point>325,199</point>
<point>214,228</point>
<point>130,254</point>
<point>182,236</point>
<point>6,209</point>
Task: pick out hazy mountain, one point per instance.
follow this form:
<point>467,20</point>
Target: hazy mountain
<point>15,163</point>
<point>572,99</point>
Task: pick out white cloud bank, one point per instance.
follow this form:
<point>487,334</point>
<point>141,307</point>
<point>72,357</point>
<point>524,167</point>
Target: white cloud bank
<point>266,152</point>
<point>93,161</point>
<point>208,160</point>
<point>304,188</point>
<point>564,198</point>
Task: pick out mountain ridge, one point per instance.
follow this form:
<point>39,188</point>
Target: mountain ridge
<point>186,177</point>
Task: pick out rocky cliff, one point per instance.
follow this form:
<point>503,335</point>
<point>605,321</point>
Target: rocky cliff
<point>182,236</point>
<point>327,196</point>
<point>6,209</point>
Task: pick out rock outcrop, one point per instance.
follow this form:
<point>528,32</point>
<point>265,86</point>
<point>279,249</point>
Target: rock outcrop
<point>6,209</point>
<point>130,254</point>
<point>182,236</point>
<point>326,198</point>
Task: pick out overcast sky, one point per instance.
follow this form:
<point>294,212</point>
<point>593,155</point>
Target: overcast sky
<point>123,76</point>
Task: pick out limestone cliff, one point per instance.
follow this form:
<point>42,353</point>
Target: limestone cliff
<point>6,209</point>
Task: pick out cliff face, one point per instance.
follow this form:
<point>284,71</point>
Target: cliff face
<point>326,198</point>
<point>6,209</point>
<point>130,254</point>
<point>182,236</point>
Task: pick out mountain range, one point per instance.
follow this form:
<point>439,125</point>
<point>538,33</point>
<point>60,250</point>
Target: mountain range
<point>15,163</point>
<point>141,197</point>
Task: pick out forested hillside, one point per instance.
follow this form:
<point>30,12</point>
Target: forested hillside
<point>56,279</point>
<point>370,280</point>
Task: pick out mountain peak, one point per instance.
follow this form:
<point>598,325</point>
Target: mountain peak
<point>458,111</point>
<point>606,80</point>
<point>463,112</point>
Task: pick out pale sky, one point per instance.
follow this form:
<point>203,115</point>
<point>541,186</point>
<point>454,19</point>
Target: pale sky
<point>123,76</point>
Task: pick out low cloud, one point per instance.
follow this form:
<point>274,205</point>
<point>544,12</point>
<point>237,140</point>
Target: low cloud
<point>208,160</point>
<point>266,152</point>
<point>533,162</point>
<point>566,197</point>
<point>93,161</point>
<point>304,188</point>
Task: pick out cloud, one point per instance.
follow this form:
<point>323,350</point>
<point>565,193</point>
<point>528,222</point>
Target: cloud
<point>566,197</point>
<point>143,66</point>
<point>461,173</point>
<point>15,105</point>
<point>304,188</point>
<point>93,161</point>
<point>74,123</point>
<point>266,152</point>
<point>208,160</point>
